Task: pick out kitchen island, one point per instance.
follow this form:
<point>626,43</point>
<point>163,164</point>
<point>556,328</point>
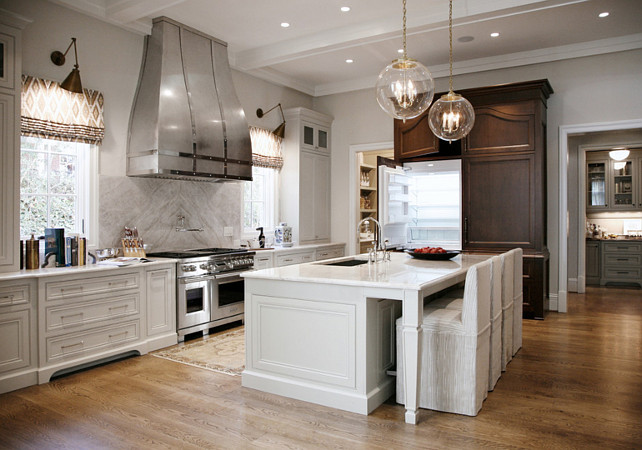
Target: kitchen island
<point>326,334</point>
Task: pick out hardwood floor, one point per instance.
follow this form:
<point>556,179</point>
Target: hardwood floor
<point>577,383</point>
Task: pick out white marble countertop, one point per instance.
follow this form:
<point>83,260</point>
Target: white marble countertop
<point>72,270</point>
<point>402,272</point>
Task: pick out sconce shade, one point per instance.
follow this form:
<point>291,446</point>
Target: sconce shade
<point>405,89</point>
<point>280,130</point>
<point>451,117</point>
<point>72,82</point>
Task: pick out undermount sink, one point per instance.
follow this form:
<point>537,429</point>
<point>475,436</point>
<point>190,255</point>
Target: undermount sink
<point>347,263</point>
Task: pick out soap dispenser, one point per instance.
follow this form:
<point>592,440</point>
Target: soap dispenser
<point>261,237</point>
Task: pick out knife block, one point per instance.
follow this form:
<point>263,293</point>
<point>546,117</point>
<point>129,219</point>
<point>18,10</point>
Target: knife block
<point>133,247</point>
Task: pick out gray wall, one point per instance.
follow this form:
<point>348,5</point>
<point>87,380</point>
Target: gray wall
<point>603,88</point>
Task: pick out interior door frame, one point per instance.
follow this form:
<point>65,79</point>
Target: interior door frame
<point>565,131</point>
<point>354,188</point>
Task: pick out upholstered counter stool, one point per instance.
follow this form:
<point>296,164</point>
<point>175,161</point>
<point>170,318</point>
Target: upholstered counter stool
<point>455,350</point>
<point>454,300</point>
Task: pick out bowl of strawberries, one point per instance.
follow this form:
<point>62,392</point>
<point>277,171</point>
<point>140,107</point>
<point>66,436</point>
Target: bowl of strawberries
<point>433,253</point>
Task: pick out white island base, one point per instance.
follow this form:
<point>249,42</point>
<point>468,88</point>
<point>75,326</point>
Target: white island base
<point>326,334</point>
<point>329,345</point>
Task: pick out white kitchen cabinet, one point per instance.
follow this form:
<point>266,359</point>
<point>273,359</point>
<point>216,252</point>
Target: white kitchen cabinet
<point>161,303</point>
<point>305,177</point>
<point>263,260</point>
<point>294,257</point>
<point>17,330</point>
<point>329,252</point>
<point>10,87</point>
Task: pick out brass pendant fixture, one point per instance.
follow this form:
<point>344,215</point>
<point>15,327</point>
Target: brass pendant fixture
<point>72,82</point>
<point>452,116</point>
<point>405,88</point>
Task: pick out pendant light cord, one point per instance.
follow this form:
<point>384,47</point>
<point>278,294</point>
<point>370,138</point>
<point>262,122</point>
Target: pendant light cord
<point>450,29</point>
<point>405,54</point>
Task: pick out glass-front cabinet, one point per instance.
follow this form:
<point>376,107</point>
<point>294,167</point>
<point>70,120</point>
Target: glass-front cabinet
<point>596,196</point>
<point>614,185</point>
<point>622,184</point>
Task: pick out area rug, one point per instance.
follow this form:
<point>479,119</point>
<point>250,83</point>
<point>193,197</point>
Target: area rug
<point>223,353</point>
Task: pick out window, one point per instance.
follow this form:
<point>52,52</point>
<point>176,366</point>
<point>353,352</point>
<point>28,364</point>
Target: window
<point>260,200</point>
<point>61,132</point>
<point>53,185</point>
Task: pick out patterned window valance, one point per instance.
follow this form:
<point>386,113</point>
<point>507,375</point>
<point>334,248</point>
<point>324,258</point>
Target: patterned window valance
<point>49,111</point>
<point>266,148</point>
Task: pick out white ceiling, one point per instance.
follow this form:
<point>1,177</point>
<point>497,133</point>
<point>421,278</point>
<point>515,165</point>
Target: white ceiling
<point>310,55</point>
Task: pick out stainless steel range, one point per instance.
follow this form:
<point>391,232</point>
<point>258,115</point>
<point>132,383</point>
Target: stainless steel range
<point>210,290</point>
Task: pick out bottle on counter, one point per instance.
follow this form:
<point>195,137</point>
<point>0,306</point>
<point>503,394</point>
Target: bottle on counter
<point>32,254</point>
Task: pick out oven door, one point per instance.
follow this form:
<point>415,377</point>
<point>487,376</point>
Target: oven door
<point>194,301</point>
<point>228,295</point>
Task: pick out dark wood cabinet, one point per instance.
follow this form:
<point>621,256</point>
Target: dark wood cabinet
<point>414,139</point>
<point>503,173</point>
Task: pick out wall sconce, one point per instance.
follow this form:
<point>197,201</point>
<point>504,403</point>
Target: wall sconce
<point>280,130</point>
<point>72,82</point>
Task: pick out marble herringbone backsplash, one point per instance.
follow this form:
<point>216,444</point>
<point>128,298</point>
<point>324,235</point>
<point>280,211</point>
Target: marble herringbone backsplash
<point>152,205</point>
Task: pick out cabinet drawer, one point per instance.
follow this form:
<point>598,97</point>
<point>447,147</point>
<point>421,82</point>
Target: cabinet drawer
<point>329,253</point>
<point>79,288</point>
<point>622,260</point>
<point>92,340</point>
<point>18,294</point>
<point>623,274</point>
<point>297,258</point>
<point>262,262</point>
<point>78,314</point>
<point>622,247</point>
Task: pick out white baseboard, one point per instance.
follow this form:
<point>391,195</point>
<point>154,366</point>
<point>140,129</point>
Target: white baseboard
<point>572,285</point>
<point>553,303</point>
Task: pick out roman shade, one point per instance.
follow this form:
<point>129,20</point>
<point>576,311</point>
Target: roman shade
<point>48,111</point>
<point>266,148</point>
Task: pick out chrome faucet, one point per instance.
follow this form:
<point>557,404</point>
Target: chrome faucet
<point>377,245</point>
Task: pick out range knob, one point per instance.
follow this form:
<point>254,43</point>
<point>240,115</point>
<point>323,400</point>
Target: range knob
<point>189,268</point>
<point>229,264</point>
<point>205,266</point>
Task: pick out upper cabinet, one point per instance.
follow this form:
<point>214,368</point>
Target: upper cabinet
<point>10,87</point>
<point>305,177</point>
<point>613,185</point>
<point>414,139</point>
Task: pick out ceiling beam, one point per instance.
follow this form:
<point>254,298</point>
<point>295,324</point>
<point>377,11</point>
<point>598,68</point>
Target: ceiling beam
<point>126,11</point>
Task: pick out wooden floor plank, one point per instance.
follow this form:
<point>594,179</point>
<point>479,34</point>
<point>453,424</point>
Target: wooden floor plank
<point>576,384</point>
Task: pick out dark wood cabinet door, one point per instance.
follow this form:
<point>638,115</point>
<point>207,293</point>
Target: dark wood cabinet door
<point>503,128</point>
<point>414,138</point>
<point>499,203</point>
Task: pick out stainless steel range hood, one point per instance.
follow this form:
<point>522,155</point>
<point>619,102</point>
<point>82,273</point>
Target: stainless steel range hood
<point>187,122</point>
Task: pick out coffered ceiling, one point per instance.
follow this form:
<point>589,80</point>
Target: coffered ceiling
<point>310,55</point>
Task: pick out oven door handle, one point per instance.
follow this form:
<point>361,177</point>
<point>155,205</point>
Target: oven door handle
<point>228,277</point>
<point>196,279</point>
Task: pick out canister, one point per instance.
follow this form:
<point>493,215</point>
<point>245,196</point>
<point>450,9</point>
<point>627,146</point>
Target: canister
<point>32,255</point>
<point>283,235</point>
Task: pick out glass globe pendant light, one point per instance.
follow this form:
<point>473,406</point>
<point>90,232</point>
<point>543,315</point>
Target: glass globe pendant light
<point>405,88</point>
<point>452,116</point>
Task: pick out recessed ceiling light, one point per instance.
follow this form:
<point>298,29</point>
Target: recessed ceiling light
<point>285,24</point>
<point>345,8</point>
<point>495,34</point>
<point>603,14</point>
<point>349,61</point>
<point>465,39</point>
